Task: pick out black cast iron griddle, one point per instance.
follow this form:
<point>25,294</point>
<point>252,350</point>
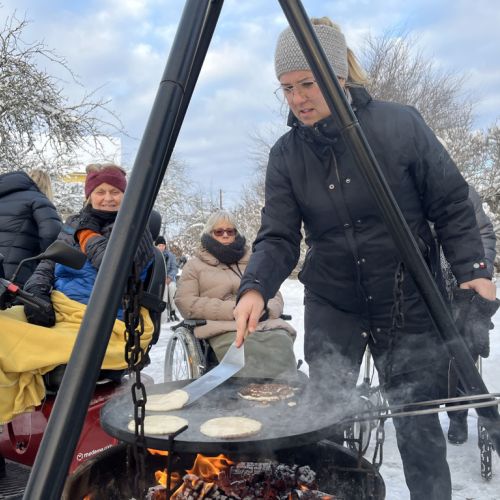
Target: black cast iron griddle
<point>283,426</point>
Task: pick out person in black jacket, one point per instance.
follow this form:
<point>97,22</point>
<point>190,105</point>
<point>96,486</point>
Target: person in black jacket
<point>29,223</point>
<point>352,266</point>
<point>171,278</point>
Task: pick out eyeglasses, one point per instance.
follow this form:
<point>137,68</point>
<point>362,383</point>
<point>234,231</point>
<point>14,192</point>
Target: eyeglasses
<point>220,232</point>
<point>303,88</point>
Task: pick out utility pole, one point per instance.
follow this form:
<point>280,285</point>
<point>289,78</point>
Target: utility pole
<point>220,199</point>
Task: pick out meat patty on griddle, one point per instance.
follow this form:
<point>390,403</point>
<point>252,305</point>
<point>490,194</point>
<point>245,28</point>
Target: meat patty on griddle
<point>266,392</point>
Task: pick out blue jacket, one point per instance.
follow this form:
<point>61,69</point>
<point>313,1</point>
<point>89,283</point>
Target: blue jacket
<point>171,263</point>
<point>77,284</point>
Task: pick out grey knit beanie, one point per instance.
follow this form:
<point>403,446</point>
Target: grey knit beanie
<point>289,56</point>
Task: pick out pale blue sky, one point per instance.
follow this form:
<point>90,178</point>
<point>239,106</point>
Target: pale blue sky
<point>122,46</point>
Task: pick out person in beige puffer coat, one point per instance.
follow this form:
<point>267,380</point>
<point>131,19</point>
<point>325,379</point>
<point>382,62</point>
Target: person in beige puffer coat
<point>207,290</point>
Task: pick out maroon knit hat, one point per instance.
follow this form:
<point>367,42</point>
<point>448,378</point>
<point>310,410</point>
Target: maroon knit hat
<point>112,175</point>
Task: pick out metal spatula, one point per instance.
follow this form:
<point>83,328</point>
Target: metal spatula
<point>232,362</point>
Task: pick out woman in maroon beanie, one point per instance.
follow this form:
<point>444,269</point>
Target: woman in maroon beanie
<point>90,230</point>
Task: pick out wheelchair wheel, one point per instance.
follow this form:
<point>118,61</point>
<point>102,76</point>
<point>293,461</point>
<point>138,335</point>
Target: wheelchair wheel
<point>358,434</point>
<point>183,358</point>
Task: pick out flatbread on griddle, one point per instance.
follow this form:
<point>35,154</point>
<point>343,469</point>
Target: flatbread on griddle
<point>230,427</point>
<point>266,392</point>
<point>166,402</point>
<point>160,424</point>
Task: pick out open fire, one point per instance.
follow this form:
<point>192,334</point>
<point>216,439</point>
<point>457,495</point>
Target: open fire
<point>221,478</point>
<point>323,470</point>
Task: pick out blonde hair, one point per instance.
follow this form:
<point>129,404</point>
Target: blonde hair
<point>43,182</point>
<point>356,74</point>
<point>215,218</point>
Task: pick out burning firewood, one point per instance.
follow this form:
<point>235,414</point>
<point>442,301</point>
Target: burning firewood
<point>192,488</point>
<point>157,492</point>
<point>310,495</point>
<point>247,481</point>
<point>220,478</point>
<point>290,474</point>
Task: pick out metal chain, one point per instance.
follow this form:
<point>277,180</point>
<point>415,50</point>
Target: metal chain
<point>350,439</point>
<point>378,452</point>
<point>136,358</point>
<point>483,439</point>
<point>397,323</point>
<point>397,317</point>
<point>485,447</point>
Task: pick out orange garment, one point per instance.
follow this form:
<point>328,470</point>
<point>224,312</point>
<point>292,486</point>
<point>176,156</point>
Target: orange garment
<point>84,236</point>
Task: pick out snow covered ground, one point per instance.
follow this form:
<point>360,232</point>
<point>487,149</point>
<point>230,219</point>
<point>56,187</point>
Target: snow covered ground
<point>464,460</point>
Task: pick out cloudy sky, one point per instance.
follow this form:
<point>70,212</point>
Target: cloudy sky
<point>121,46</point>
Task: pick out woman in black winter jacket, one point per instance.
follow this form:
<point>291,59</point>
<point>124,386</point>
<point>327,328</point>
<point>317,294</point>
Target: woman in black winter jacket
<point>351,263</point>
<point>28,223</point>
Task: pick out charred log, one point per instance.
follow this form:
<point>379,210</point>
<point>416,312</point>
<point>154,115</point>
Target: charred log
<point>310,495</point>
<point>247,481</point>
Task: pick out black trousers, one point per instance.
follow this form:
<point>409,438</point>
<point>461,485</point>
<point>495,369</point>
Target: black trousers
<point>334,345</point>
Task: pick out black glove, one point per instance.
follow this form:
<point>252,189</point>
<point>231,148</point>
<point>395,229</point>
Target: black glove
<point>34,315</point>
<point>472,314</point>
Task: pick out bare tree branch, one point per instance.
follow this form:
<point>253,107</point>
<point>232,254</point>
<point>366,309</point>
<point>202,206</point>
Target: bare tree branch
<point>398,71</point>
<point>38,125</point>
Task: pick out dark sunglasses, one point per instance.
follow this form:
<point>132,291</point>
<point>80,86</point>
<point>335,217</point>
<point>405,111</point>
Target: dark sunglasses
<point>229,232</point>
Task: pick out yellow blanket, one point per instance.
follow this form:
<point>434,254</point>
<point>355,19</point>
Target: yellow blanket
<point>28,351</point>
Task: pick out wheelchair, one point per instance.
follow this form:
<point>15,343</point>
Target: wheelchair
<point>358,434</point>
<point>186,356</point>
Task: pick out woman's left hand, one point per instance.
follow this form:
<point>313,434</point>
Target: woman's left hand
<point>484,287</point>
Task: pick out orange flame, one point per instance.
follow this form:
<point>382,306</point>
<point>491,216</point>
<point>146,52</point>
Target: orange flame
<point>206,489</point>
<point>303,487</point>
<point>157,452</point>
<point>209,468</point>
<point>194,483</point>
<point>205,468</point>
<point>161,477</point>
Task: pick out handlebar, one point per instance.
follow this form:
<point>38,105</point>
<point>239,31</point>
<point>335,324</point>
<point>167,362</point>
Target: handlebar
<point>194,322</point>
<point>12,291</point>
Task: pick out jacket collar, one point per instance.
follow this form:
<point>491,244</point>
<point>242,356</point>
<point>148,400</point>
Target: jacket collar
<point>326,131</point>
<point>211,260</point>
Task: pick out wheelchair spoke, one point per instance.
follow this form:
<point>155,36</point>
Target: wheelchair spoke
<point>183,358</point>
